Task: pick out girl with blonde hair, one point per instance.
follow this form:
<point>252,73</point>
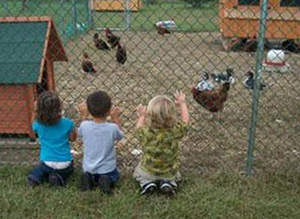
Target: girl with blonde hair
<point>159,133</point>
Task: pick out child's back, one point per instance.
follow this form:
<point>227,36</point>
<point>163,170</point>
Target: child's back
<point>99,136</point>
<point>159,167</point>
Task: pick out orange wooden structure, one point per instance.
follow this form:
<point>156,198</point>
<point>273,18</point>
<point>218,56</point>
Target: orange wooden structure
<point>116,5</point>
<point>240,19</point>
<point>26,69</point>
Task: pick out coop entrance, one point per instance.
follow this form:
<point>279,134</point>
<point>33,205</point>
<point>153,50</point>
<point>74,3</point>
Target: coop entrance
<point>43,86</point>
<point>249,2</point>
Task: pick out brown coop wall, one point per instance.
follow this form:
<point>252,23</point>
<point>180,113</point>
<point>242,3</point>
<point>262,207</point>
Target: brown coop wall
<point>115,5</point>
<point>243,21</point>
<point>16,105</point>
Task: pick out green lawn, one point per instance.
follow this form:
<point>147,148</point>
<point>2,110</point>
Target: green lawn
<point>189,19</point>
<point>214,198</point>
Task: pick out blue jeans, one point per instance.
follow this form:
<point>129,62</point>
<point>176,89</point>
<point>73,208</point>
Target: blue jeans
<point>41,173</point>
<point>114,176</point>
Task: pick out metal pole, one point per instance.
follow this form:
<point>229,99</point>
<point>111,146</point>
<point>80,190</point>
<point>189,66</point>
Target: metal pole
<point>74,11</point>
<point>127,14</point>
<point>89,13</point>
<point>256,91</point>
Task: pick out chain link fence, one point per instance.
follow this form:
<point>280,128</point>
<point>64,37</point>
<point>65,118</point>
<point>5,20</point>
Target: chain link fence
<point>256,132</point>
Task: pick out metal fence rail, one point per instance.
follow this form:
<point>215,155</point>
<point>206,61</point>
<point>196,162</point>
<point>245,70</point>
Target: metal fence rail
<point>257,131</point>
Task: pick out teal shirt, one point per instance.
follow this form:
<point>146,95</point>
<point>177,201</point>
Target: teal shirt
<point>54,140</point>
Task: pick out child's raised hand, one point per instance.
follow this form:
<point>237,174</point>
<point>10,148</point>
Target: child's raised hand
<point>115,113</point>
<point>82,108</point>
<point>141,110</point>
<point>179,98</point>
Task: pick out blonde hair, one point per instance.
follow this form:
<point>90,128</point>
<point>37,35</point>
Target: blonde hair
<point>161,112</point>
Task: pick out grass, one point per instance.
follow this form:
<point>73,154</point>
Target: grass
<point>220,196</point>
<point>189,19</point>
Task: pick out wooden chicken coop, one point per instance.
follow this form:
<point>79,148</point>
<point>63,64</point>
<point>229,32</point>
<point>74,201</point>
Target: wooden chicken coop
<point>116,5</point>
<point>28,49</point>
<point>240,19</point>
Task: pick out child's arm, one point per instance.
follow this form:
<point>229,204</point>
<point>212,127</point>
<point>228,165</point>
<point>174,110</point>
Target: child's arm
<point>180,102</point>
<point>73,135</point>
<point>141,113</point>
<point>84,113</point>
<point>115,116</point>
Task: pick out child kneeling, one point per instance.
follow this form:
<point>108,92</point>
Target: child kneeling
<point>54,132</point>
<point>99,136</point>
<point>159,167</point>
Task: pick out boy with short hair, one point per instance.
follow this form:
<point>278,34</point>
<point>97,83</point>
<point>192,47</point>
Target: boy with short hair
<point>99,136</point>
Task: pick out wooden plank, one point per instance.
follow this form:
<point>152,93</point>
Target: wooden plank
<point>115,5</point>
<point>253,13</point>
<point>12,92</point>
<point>243,28</point>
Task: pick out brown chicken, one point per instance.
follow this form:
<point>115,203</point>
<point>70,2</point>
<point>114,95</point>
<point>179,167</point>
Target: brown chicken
<point>112,39</point>
<point>121,54</point>
<point>99,43</point>
<point>212,100</point>
<point>87,65</point>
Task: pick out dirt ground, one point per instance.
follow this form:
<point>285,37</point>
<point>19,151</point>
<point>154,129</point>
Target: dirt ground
<point>162,65</point>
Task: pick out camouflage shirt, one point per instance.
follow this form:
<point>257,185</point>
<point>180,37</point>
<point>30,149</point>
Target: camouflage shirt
<point>160,149</point>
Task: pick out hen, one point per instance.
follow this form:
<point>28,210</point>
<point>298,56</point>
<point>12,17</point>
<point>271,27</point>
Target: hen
<point>99,43</point>
<point>212,100</point>
<point>112,39</point>
<point>165,27</point>
<point>221,78</point>
<point>121,54</point>
<point>87,65</point>
<point>249,81</point>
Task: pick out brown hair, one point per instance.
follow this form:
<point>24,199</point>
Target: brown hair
<point>99,104</point>
<point>48,108</point>
<point>161,112</point>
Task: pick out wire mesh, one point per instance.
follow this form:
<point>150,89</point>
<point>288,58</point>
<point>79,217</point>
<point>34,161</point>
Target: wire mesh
<point>210,36</point>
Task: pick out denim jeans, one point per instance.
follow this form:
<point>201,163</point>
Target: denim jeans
<point>41,173</point>
<point>113,177</point>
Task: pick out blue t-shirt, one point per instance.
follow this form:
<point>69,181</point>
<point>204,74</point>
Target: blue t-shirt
<point>99,156</point>
<point>54,140</point>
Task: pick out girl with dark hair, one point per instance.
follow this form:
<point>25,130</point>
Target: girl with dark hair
<point>55,133</point>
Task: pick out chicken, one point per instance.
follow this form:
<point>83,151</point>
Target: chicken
<point>161,30</point>
<point>212,100</point>
<point>99,43</point>
<point>249,81</point>
<point>121,54</point>
<point>112,39</point>
<point>291,46</point>
<point>87,65</point>
<point>165,27</point>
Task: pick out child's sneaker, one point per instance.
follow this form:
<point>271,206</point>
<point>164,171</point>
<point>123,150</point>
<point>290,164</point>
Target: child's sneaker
<point>149,188</point>
<point>87,182</point>
<point>104,184</point>
<point>56,180</point>
<point>166,188</point>
<point>32,182</point>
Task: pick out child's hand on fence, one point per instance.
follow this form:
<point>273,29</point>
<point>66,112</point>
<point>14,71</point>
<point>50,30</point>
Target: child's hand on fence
<point>179,98</point>
<point>141,111</point>
<point>83,110</point>
<point>115,113</point>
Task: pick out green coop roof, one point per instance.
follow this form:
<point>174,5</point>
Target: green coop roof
<point>24,45</point>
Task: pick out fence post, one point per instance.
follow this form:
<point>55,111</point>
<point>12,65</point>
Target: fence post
<point>256,91</point>
<point>74,12</point>
<point>127,14</point>
<point>89,13</point>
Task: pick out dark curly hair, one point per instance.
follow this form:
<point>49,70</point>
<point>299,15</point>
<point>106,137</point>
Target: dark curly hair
<point>99,104</point>
<point>48,108</point>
